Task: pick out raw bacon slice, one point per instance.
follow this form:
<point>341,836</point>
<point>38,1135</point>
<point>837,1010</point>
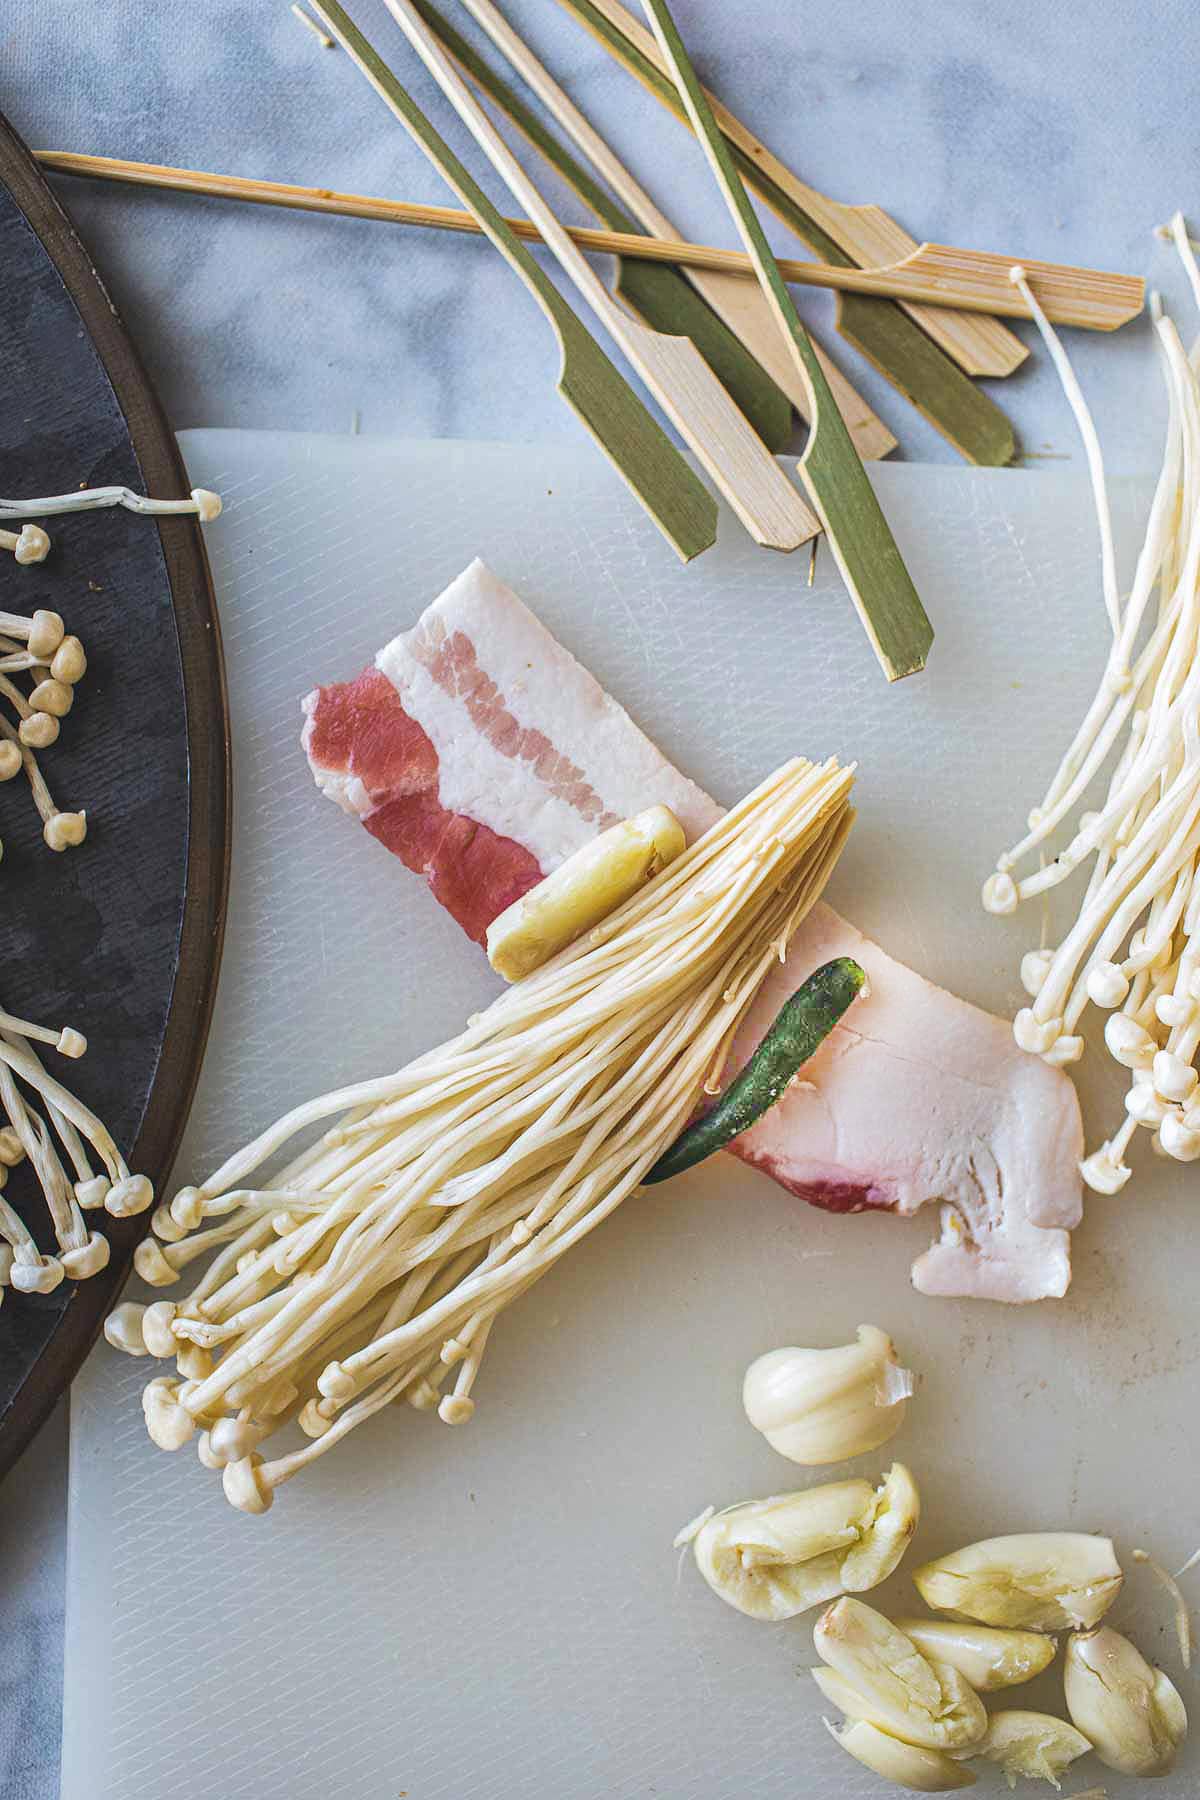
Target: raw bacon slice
<point>481,753</point>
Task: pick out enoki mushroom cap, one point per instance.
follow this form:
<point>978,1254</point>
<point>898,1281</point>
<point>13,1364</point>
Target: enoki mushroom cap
<point>54,697</point>
<point>164,1226</point>
<point>1178,1139</point>
<point>11,1148</point>
<point>123,1329</point>
<point>46,633</point>
<point>233,1440</point>
<point>152,1265</point>
<point>245,1486</point>
<point>93,1193</point>
<point>456,1409</point>
<point>64,830</point>
<point>999,893</point>
<point>41,1277</point>
<point>1103,1173</point>
<point>208,505</point>
<point>38,731</point>
<point>32,546</point>
<point>157,1334</point>
<point>87,1259</point>
<point>187,1209</point>
<point>169,1424</point>
<point>69,662</point>
<point>132,1195</point>
<point>10,759</point>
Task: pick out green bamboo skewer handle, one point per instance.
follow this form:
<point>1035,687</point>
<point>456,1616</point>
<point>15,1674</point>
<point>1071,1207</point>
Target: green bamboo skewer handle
<point>641,452</point>
<point>657,292</point>
<point>837,485</point>
<point>879,329</point>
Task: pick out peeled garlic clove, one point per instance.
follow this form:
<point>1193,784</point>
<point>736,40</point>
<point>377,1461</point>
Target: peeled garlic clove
<point>887,1537</point>
<point>775,1558</point>
<point>989,1656</point>
<point>1130,1711</point>
<point>892,1685</point>
<point>924,1771</point>
<point>1038,1581</point>
<point>823,1406</point>
<point>1035,1745</point>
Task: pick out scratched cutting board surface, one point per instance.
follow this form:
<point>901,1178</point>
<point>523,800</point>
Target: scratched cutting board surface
<point>497,1610</point>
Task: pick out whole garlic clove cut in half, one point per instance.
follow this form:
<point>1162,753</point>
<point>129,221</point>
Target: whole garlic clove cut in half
<point>1035,1581</point>
<point>875,1672</point>
<point>1131,1712</point>
<point>824,1406</point>
<point>921,1771</point>
<point>775,1558</point>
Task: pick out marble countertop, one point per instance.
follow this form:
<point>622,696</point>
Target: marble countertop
<point>1062,132</point>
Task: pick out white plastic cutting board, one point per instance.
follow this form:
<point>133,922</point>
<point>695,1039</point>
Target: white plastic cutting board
<point>496,1611</point>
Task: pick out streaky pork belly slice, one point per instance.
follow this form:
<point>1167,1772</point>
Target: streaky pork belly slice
<point>480,752</point>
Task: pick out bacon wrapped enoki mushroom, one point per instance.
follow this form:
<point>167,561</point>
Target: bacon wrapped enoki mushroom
<point>1133,947</point>
<point>46,1126</point>
<point>372,1266</point>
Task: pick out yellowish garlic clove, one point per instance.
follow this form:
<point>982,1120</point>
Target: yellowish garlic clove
<point>775,1558</point>
<point>1131,1712</point>
<point>823,1406</point>
<point>991,1657</point>
<point>1034,1581</point>
<point>908,1766</point>
<point>875,1672</point>
<point>1032,1745</point>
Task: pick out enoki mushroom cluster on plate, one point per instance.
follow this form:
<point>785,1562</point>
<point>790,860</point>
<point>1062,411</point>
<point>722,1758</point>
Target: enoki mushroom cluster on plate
<point>76,1163</point>
<point>371,1266</point>
<point>38,651</point>
<point>39,668</point>
<point>1133,947</point>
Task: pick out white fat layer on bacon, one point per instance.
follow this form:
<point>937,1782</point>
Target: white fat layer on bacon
<point>542,687</point>
<point>920,1097</point>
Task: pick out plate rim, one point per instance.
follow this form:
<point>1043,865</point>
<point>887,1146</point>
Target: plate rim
<point>202,929</point>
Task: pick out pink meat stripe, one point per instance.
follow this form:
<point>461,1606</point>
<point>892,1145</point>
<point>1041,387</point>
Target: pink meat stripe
<point>479,752</point>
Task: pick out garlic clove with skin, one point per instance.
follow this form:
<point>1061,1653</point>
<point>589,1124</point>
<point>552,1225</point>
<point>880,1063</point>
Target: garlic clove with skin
<point>906,1765</point>
<point>1131,1712</point>
<point>824,1406</point>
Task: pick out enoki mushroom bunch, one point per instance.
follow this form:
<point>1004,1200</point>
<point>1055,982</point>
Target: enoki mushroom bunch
<point>47,1126</point>
<point>39,649</point>
<point>371,1267</point>
<point>1134,945</point>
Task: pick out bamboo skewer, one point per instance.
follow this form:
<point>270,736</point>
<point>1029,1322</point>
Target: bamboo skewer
<point>661,294</point>
<point>737,301</point>
<point>863,546</point>
<point>635,443</point>
<point>866,234</point>
<point>771,507</point>
<point>881,331</point>
<point>947,277</point>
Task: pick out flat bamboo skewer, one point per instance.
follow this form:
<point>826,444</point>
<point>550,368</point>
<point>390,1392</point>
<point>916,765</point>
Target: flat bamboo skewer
<point>659,293</point>
<point>771,507</point>
<point>738,302</point>
<point>639,449</point>
<point>1095,299</point>
<point>862,544</point>
<point>880,330</point>
<point>866,234</point>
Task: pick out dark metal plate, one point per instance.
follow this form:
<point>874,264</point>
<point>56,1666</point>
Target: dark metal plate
<point>120,937</point>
